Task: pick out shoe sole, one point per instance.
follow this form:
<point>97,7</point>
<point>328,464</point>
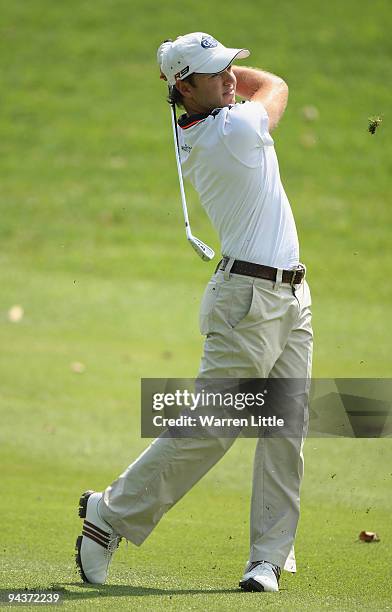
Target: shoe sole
<point>251,585</point>
<point>82,511</point>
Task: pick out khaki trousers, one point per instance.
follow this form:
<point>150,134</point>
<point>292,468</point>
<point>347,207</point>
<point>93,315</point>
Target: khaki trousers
<point>254,328</point>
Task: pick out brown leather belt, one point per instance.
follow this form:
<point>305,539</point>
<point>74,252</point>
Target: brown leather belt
<point>293,277</point>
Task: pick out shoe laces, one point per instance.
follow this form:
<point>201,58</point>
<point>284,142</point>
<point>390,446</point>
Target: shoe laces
<point>112,546</point>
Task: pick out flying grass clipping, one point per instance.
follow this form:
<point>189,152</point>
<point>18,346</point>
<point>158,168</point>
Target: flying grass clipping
<point>374,123</point>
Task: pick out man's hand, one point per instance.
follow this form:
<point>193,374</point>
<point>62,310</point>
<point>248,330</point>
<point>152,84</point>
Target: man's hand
<point>260,86</point>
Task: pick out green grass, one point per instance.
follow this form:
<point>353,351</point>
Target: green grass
<point>92,247</point>
<point>195,558</point>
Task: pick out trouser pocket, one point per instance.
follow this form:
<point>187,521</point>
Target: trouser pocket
<point>243,302</point>
<point>227,305</point>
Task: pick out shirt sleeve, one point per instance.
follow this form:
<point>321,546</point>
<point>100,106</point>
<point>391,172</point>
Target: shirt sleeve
<point>245,131</point>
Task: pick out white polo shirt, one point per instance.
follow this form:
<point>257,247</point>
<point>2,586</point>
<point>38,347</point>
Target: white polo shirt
<point>229,157</point>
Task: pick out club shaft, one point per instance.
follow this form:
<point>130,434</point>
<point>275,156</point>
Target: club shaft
<point>179,170</point>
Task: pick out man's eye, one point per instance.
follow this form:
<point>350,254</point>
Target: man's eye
<point>217,74</point>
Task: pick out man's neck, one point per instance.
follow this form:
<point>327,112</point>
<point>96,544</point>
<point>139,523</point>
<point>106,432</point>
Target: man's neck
<point>191,109</point>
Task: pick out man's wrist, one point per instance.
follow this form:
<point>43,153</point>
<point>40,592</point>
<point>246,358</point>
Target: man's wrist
<point>249,80</point>
<point>254,80</point>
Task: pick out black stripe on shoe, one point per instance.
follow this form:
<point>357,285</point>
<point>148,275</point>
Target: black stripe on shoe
<point>105,534</point>
<point>95,539</point>
<point>93,536</point>
<point>88,530</point>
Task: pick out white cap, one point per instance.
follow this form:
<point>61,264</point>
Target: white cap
<point>197,52</point>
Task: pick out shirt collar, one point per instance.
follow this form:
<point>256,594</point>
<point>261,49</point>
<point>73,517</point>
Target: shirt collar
<point>186,121</point>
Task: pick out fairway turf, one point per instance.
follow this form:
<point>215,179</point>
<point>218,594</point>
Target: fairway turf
<point>92,247</point>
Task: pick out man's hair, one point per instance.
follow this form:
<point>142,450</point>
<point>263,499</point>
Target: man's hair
<point>175,97</point>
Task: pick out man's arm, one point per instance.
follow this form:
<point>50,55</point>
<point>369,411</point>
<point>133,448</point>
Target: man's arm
<point>264,87</point>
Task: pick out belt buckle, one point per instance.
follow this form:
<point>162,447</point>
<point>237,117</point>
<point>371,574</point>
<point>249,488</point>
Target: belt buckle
<point>218,267</point>
<point>223,263</point>
<point>300,269</point>
<point>292,282</point>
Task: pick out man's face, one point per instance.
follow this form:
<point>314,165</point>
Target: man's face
<point>209,91</point>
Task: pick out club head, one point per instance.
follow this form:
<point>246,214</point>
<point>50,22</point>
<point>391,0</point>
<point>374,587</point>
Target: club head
<point>203,251</point>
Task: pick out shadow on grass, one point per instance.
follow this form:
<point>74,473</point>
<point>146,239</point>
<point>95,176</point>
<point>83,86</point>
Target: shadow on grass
<point>94,590</point>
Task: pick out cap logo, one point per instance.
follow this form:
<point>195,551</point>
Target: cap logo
<point>182,73</point>
<point>208,42</point>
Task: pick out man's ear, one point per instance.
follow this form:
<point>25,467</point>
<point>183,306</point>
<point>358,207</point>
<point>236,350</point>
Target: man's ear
<point>184,88</point>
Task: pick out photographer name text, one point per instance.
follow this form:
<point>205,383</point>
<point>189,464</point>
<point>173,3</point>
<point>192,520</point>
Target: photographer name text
<point>214,421</point>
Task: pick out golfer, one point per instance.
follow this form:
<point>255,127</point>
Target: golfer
<point>255,312</point>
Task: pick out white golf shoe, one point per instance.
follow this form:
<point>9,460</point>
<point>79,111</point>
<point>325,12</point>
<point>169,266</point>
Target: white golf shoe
<point>98,542</point>
<point>261,576</point>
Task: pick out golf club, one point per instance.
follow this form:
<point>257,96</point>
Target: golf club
<point>204,251</point>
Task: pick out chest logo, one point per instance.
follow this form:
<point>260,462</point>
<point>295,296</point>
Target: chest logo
<point>186,148</point>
